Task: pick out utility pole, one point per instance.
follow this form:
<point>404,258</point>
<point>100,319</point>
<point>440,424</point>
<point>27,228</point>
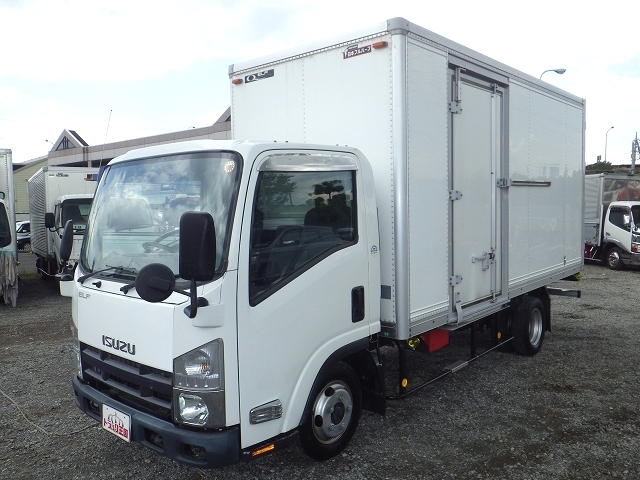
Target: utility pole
<point>635,151</point>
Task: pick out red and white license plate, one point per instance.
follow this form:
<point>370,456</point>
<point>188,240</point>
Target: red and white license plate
<point>116,422</point>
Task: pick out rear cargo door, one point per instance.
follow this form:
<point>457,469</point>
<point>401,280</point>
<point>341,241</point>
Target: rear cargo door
<point>477,125</point>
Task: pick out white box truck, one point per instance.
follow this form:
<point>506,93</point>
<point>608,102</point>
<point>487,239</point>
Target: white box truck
<point>8,248</point>
<point>232,296</point>
<point>612,219</point>
<point>56,195</point>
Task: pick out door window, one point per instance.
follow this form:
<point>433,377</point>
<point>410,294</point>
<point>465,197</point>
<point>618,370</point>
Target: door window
<point>621,218</point>
<point>298,219</point>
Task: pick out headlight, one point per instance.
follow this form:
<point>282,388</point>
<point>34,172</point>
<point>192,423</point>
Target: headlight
<point>198,386</point>
<point>200,369</point>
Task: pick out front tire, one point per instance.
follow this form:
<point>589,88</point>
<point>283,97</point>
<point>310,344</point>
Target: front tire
<point>528,324</point>
<point>613,258</point>
<point>334,415</point>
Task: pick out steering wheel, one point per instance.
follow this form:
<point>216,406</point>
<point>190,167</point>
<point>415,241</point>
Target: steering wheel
<point>155,244</point>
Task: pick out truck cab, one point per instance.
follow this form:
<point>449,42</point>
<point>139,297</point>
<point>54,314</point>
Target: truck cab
<point>621,234</point>
<point>206,342</point>
<point>76,208</point>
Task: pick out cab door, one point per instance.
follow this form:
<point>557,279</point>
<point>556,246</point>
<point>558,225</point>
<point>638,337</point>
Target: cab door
<point>618,226</point>
<point>301,260</point>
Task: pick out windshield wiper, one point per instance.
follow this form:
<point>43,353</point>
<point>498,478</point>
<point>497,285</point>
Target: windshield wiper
<point>118,270</point>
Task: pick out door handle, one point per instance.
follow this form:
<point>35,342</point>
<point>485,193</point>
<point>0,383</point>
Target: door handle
<point>357,304</point>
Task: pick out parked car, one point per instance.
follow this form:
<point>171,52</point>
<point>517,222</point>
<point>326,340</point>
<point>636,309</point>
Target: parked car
<point>23,234</point>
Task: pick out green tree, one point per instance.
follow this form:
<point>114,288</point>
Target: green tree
<point>600,167</point>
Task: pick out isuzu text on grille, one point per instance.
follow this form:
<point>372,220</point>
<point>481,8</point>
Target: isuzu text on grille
<point>118,345</point>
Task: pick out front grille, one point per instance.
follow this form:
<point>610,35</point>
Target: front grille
<point>131,383</point>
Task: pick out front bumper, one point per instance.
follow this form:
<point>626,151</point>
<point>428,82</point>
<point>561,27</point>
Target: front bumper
<point>193,448</point>
<point>630,259</point>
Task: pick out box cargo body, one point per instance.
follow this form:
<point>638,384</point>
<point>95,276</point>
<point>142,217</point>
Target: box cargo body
<point>47,188</point>
<point>8,249</point>
<point>478,167</point>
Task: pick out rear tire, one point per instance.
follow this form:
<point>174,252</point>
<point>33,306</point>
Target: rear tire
<point>613,258</point>
<point>528,324</point>
<point>334,414</point>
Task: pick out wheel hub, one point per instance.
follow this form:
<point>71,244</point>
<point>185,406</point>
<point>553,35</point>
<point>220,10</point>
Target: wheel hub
<point>614,258</point>
<point>535,327</point>
<point>332,412</point>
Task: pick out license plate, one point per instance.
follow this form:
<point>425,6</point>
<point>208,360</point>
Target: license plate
<point>116,422</point>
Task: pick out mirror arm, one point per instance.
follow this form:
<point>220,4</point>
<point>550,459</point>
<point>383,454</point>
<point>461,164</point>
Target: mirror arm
<point>191,310</point>
<point>194,299</point>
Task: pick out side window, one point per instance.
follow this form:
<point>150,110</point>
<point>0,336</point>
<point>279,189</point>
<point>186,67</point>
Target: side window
<point>620,218</point>
<point>5,230</point>
<point>298,219</point>
<point>57,215</point>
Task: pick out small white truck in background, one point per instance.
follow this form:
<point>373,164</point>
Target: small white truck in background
<point>8,246</point>
<point>58,194</point>
<point>612,219</point>
<point>220,324</point>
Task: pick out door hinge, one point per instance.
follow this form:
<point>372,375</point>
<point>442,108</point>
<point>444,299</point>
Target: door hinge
<point>504,182</point>
<point>454,107</point>
<point>455,280</point>
<point>455,195</point>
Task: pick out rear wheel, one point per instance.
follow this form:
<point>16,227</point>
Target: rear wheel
<point>527,326</point>
<point>334,415</point>
<point>613,258</point>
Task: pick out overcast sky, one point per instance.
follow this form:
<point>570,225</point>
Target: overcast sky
<point>161,66</point>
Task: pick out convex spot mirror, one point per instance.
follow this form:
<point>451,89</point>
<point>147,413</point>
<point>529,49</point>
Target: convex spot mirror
<point>155,282</point>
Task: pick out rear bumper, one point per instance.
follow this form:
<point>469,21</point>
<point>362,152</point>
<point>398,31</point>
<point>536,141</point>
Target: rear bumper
<point>214,449</point>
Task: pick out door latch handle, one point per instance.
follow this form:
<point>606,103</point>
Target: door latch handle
<point>486,259</point>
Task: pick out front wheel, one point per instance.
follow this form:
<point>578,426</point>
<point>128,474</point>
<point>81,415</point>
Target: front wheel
<point>528,326</point>
<point>334,415</point>
<point>613,259</point>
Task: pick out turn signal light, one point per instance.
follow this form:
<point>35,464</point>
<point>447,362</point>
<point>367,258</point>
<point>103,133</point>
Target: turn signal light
<point>263,450</point>
<point>236,81</point>
<point>380,44</point>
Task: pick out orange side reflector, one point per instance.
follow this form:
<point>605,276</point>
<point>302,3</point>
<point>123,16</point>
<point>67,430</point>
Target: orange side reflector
<point>260,451</point>
<point>380,44</point>
<point>236,81</point>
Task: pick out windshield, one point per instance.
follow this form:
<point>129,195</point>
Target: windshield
<point>635,211</point>
<point>136,212</point>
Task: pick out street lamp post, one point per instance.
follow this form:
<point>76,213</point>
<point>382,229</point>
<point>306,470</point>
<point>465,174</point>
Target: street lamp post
<point>559,71</point>
<point>605,144</point>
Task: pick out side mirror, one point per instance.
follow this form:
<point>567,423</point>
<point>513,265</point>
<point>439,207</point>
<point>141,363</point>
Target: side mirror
<point>49,220</point>
<point>197,246</point>
<point>66,244</point>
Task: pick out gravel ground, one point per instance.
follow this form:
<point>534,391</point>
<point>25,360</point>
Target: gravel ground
<point>572,411</point>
